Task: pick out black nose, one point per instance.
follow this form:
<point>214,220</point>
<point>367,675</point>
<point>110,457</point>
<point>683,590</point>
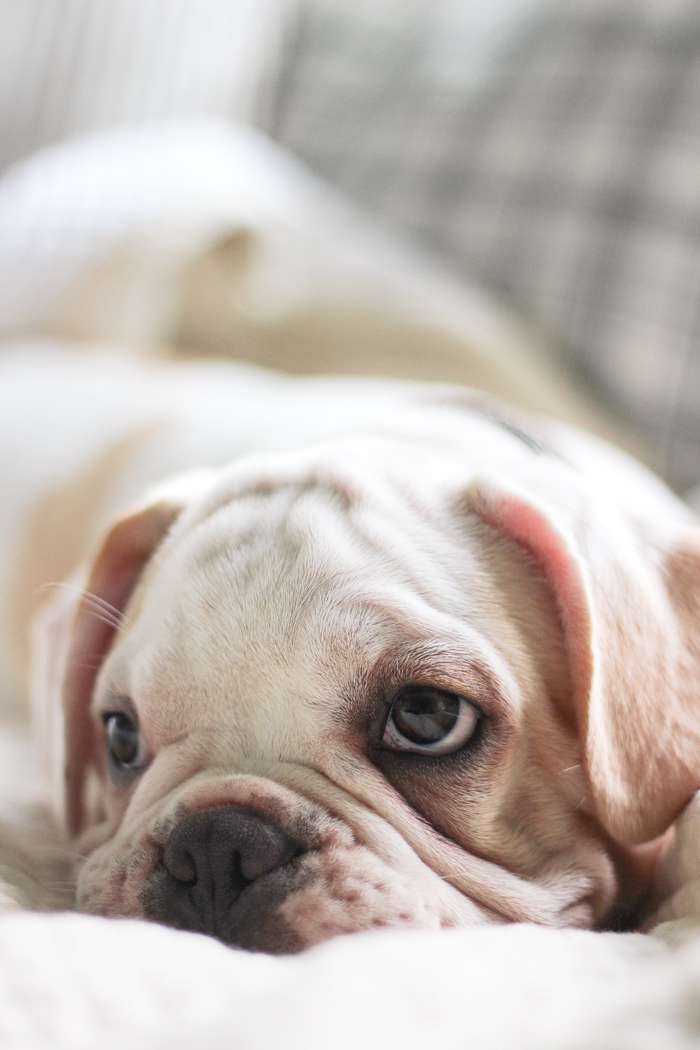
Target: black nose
<point>210,858</point>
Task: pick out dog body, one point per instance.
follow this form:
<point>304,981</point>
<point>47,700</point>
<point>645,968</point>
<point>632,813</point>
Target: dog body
<point>369,654</point>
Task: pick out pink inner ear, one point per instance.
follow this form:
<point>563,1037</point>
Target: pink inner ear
<point>523,522</point>
<point>528,526</point>
<point>117,568</point>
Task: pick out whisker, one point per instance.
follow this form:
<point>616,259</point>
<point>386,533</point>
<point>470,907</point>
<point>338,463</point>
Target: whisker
<point>110,621</point>
<point>102,608</point>
<point>109,612</point>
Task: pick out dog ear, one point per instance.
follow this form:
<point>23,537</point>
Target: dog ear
<point>629,604</point>
<point>73,633</point>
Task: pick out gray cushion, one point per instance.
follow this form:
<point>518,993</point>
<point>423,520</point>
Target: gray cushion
<point>566,173</point>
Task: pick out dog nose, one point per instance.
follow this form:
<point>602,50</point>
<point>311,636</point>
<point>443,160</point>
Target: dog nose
<point>211,857</point>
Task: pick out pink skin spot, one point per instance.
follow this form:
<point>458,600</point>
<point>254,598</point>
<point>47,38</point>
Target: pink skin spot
<point>352,890</point>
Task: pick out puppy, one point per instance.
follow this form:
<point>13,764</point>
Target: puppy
<point>381,654</point>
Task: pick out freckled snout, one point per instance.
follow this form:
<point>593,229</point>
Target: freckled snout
<point>210,860</point>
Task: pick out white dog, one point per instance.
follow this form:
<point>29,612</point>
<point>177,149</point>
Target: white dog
<point>389,656</point>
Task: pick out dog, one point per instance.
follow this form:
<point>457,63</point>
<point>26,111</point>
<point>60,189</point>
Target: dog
<point>345,654</point>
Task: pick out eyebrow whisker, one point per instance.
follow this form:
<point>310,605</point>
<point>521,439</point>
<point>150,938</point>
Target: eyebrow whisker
<point>110,620</point>
<point>99,607</point>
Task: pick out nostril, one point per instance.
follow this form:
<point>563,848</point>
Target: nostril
<point>180,864</point>
<point>263,849</point>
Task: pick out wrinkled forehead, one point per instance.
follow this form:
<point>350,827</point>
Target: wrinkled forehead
<point>298,586</point>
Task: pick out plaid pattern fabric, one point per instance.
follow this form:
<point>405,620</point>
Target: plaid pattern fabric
<point>567,175</point>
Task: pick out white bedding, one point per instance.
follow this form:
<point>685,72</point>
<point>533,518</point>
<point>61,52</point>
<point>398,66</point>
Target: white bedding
<point>204,233</point>
<point>69,265</point>
<point>74,982</point>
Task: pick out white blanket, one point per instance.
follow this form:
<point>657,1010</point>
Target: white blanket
<point>205,234</point>
<point>79,983</point>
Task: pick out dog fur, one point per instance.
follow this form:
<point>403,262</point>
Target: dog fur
<point>310,547</point>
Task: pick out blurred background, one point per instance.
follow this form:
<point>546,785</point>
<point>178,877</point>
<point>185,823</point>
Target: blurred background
<point>546,151</point>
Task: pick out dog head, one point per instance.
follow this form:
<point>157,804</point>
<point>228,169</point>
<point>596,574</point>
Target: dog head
<point>368,684</point>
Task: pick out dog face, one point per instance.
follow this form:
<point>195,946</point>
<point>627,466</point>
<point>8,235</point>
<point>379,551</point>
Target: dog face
<point>360,686</point>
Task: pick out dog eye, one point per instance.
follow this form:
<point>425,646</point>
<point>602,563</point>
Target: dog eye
<point>124,748</point>
<point>429,721</point>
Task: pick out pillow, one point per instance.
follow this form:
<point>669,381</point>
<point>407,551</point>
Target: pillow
<point>564,170</point>
<point>204,234</point>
